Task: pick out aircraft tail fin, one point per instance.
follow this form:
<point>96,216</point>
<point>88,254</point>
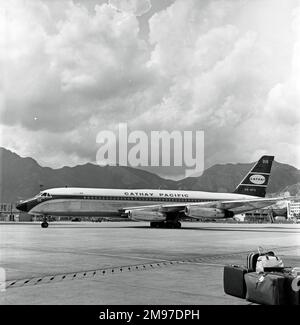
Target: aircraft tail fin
<point>256,181</point>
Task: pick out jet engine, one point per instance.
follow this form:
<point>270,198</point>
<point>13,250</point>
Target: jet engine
<point>194,211</point>
<point>144,215</point>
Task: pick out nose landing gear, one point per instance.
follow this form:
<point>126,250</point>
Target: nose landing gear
<point>45,224</point>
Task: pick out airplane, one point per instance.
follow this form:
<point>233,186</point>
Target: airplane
<point>162,208</point>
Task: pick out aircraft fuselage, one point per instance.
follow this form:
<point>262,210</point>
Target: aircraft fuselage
<point>112,202</point>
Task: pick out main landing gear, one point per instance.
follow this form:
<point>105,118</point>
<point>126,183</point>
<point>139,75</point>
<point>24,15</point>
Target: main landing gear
<point>165,224</point>
<point>45,224</point>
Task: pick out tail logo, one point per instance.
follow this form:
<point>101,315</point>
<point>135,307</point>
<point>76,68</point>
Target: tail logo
<point>257,179</point>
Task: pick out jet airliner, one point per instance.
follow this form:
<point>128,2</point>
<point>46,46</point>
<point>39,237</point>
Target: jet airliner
<point>162,208</point>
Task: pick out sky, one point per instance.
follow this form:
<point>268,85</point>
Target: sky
<point>71,69</point>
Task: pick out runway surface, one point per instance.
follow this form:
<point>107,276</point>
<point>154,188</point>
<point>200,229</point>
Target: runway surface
<point>130,263</point>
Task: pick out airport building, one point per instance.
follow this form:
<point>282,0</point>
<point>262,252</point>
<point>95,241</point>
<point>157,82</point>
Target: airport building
<point>293,209</point>
<point>263,215</point>
<point>257,216</point>
<point>9,212</point>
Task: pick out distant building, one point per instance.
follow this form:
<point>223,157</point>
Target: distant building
<point>293,209</point>
<point>7,207</point>
<point>269,214</point>
<point>260,215</point>
<point>9,212</point>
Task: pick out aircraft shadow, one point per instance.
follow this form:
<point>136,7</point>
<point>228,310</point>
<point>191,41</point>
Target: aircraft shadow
<point>269,230</point>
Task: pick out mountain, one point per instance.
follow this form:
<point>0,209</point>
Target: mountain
<point>292,190</point>
<point>21,177</point>
<point>224,178</point>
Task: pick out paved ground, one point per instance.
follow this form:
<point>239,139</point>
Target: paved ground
<point>130,263</point>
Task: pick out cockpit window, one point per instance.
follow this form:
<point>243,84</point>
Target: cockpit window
<point>45,194</point>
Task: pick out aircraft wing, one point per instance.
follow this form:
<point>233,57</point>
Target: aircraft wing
<point>236,206</point>
<point>159,207</point>
<point>241,206</point>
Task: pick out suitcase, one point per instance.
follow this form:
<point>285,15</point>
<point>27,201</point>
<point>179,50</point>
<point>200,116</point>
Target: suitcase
<point>266,261</point>
<point>233,280</point>
<point>251,261</point>
<point>266,289</point>
<point>253,257</point>
<point>292,295</point>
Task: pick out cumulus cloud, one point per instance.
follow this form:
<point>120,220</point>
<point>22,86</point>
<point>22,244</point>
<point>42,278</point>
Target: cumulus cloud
<point>230,68</point>
<point>226,75</point>
<point>65,77</point>
<point>136,7</point>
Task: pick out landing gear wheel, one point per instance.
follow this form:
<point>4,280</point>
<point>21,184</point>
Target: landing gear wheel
<point>154,224</point>
<point>177,225</point>
<point>166,224</point>
<point>170,225</point>
<point>173,225</point>
<point>44,224</point>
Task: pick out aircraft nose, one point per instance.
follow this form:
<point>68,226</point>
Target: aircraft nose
<point>23,206</point>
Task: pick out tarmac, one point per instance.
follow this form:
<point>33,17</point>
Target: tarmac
<point>128,263</point>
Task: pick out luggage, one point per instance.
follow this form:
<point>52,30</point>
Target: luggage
<point>266,289</point>
<point>267,261</point>
<point>274,269</point>
<point>264,280</point>
<point>292,289</point>
<point>253,257</point>
<point>291,286</point>
<point>296,271</point>
<point>251,261</point>
<point>233,280</point>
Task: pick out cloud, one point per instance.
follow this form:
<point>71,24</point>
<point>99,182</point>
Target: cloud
<point>67,71</point>
<point>227,74</point>
<point>135,7</point>
<point>230,68</point>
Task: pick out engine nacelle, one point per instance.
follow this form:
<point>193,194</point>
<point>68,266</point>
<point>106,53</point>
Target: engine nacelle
<point>194,211</point>
<point>143,215</point>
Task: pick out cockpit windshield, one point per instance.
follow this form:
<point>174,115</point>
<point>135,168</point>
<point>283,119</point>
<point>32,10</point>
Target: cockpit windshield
<point>43,194</point>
